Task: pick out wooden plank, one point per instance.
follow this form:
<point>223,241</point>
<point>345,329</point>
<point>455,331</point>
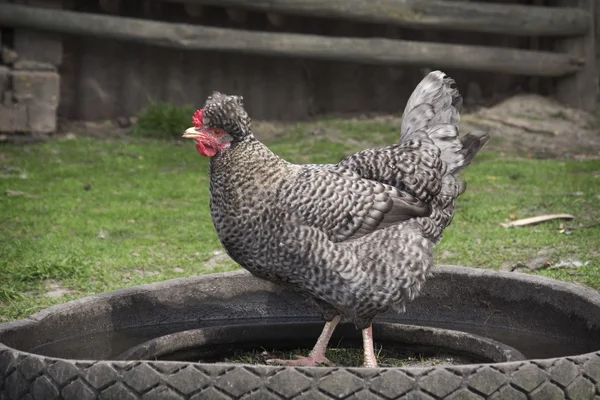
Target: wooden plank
<point>597,41</point>
<point>358,50</point>
<point>580,90</point>
<point>508,19</point>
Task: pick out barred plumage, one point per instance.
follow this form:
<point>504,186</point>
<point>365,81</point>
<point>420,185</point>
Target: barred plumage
<point>358,236</point>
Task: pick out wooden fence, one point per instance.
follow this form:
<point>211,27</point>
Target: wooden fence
<point>569,24</point>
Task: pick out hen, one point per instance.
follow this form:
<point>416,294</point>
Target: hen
<point>357,237</point>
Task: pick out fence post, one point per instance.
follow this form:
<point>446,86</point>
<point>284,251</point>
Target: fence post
<point>580,90</point>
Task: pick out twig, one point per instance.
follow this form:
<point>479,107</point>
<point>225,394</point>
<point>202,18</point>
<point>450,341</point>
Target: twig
<point>536,220</point>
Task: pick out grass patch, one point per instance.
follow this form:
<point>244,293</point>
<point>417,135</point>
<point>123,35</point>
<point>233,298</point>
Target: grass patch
<point>163,120</point>
<point>97,215</point>
<point>387,357</point>
<point>106,215</point>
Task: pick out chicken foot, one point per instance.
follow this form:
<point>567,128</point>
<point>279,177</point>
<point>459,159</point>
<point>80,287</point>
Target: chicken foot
<point>316,356</point>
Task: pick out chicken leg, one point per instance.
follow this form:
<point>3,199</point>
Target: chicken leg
<point>368,351</point>
<point>316,356</point>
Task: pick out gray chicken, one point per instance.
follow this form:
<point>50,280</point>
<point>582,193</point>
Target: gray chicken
<point>356,237</point>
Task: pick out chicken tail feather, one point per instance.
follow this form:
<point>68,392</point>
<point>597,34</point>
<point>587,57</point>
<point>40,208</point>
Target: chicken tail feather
<point>471,144</point>
<point>433,111</point>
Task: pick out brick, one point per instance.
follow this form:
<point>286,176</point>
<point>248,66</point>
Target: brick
<point>13,119</point>
<point>36,87</point>
<point>41,119</point>
<point>40,92</point>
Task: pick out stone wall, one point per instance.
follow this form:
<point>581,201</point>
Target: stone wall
<point>29,80</point>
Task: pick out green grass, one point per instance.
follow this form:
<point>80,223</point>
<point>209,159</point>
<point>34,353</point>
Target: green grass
<point>145,216</point>
<point>388,356</point>
<point>163,120</point>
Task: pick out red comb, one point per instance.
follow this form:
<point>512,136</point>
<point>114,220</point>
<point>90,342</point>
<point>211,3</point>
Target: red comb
<point>197,118</point>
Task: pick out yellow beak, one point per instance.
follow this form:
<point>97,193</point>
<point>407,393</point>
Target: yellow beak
<point>191,133</point>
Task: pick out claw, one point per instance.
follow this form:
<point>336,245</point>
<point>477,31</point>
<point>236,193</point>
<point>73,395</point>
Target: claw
<point>316,357</point>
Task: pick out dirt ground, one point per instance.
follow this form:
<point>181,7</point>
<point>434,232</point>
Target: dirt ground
<point>525,124</point>
<point>537,126</point>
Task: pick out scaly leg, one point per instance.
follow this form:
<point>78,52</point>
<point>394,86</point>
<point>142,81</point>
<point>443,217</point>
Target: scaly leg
<point>316,356</point>
<point>369,352</point>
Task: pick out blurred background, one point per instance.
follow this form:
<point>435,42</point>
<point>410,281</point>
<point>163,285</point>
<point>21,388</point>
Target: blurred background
<point>291,59</point>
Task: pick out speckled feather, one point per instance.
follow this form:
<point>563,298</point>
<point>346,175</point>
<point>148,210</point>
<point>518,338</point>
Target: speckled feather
<point>358,236</point>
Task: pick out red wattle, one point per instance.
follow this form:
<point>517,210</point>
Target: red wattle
<point>206,151</point>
